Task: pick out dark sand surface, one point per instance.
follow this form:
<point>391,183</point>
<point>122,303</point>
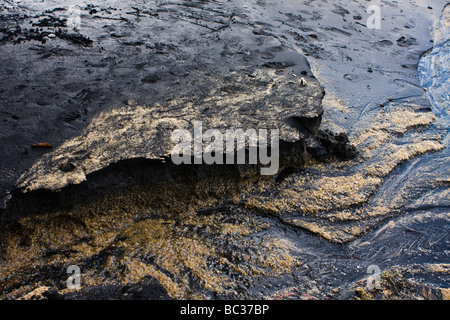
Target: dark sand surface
<point>364,155</point>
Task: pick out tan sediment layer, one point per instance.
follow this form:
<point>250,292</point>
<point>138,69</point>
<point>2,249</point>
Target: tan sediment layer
<point>340,192</point>
<point>398,283</point>
<point>126,240</point>
<point>134,131</point>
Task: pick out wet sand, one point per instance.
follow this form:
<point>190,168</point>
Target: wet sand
<point>223,232</point>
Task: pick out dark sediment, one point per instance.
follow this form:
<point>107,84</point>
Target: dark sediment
<point>108,199</point>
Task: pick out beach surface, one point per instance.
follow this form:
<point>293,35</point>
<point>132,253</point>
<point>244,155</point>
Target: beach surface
<point>90,94</point>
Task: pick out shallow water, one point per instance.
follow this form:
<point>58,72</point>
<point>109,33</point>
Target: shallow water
<point>434,69</point>
<point>313,233</point>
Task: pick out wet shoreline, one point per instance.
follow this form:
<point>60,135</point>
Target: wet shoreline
<point>313,231</point>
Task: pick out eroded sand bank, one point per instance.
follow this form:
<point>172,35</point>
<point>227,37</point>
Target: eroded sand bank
<point>222,232</point>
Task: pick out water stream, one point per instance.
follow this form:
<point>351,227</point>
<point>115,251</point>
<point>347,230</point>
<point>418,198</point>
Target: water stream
<point>313,233</point>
